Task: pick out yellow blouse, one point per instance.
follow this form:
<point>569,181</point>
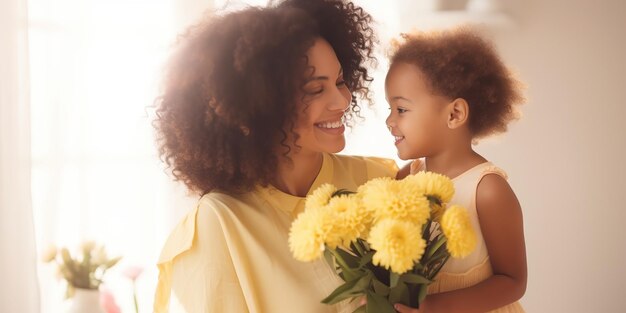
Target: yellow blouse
<point>230,254</point>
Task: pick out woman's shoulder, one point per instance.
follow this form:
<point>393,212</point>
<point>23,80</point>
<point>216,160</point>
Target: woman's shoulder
<point>370,167</point>
<point>208,215</point>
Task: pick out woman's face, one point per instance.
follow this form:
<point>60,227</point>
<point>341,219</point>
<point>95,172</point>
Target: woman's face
<point>320,122</point>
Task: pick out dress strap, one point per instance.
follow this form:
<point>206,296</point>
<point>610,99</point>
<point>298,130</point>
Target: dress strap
<point>491,169</point>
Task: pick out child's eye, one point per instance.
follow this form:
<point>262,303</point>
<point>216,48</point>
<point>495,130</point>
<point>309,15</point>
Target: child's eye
<point>401,110</point>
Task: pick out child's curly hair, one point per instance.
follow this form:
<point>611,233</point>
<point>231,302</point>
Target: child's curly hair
<point>458,63</point>
<point>232,88</point>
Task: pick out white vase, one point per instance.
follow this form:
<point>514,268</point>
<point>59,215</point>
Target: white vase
<point>85,301</point>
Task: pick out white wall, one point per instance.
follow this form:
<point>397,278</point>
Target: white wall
<point>565,157</point>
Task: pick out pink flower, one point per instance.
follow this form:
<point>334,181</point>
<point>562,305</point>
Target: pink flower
<point>132,272</point>
<point>108,302</point>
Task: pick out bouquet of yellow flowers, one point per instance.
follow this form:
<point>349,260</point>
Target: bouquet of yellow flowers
<point>387,241</point>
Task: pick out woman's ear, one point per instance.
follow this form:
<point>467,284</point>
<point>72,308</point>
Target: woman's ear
<point>458,113</point>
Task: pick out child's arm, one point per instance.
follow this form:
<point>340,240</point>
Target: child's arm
<point>410,168</point>
<point>501,224</point>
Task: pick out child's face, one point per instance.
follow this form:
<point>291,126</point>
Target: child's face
<point>418,118</point>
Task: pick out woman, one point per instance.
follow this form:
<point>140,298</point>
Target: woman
<point>253,111</point>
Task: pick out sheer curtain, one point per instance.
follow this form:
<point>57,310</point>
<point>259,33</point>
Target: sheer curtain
<point>18,287</point>
<point>95,69</point>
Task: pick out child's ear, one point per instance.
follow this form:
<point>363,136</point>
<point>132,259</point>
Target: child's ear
<point>458,113</point>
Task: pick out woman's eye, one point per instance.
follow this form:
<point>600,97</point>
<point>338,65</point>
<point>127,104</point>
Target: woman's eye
<point>314,91</point>
<point>401,110</point>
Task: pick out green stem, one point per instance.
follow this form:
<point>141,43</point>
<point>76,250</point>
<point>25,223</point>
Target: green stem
<point>135,298</point>
<point>438,268</point>
<point>359,248</point>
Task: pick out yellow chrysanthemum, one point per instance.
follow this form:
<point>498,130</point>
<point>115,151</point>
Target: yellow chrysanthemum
<point>374,185</point>
<point>433,184</point>
<point>320,197</point>
<point>350,219</point>
<point>457,228</point>
<point>308,233</point>
<point>388,198</point>
<point>398,244</point>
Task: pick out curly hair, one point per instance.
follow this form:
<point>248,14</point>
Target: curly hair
<point>231,92</point>
<point>459,63</point>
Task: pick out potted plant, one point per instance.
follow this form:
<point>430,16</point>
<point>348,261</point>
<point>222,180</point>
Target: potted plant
<point>83,272</point>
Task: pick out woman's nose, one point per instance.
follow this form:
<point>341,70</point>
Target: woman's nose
<point>341,100</point>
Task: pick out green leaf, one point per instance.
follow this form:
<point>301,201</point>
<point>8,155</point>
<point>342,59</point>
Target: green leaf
<point>399,294</point>
<point>426,230</point>
<point>328,256</point>
<point>433,199</point>
<point>393,279</point>
<point>437,258</point>
<point>350,289</point>
<point>351,260</point>
<point>367,258</point>
<point>438,243</point>
<point>347,273</point>
<point>363,244</point>
<point>422,294</point>
<point>342,192</point>
<point>380,288</point>
<point>110,263</point>
<point>340,293</point>
<point>69,291</point>
<point>443,251</point>
<point>354,250</point>
<point>440,266</point>
<point>415,279</point>
<point>378,304</point>
<point>417,266</point>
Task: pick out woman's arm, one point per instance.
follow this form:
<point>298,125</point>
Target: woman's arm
<point>501,224</point>
<point>203,277</point>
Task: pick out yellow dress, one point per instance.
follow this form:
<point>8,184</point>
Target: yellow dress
<point>230,254</point>
<point>475,268</point>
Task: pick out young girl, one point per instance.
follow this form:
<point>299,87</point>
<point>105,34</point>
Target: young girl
<point>446,90</point>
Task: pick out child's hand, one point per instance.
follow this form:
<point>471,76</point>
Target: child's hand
<point>425,307</point>
<point>405,309</point>
<point>401,308</point>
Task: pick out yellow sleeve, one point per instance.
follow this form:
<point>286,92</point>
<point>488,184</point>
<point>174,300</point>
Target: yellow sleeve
<point>196,272</point>
<point>380,167</point>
